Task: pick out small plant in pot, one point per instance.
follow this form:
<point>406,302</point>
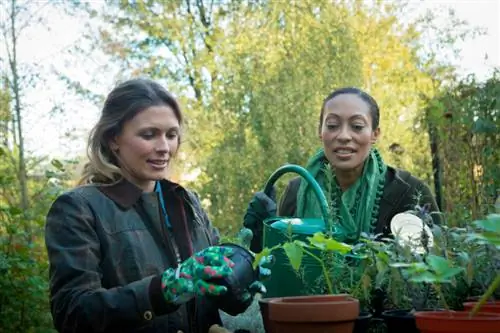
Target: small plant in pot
<point>315,313</point>
<point>413,241</point>
<point>489,239</point>
<point>437,271</point>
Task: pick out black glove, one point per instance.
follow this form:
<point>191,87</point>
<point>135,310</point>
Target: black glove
<point>260,208</point>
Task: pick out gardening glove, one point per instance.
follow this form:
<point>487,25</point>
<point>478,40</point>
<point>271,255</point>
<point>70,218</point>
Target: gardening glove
<point>264,271</point>
<point>260,208</point>
<point>189,279</point>
<point>264,268</point>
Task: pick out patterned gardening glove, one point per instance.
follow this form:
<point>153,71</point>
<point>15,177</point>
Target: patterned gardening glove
<point>260,207</point>
<point>257,286</point>
<point>189,279</point>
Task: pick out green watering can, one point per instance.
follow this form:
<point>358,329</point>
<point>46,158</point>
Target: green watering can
<point>284,280</point>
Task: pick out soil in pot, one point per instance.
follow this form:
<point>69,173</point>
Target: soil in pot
<point>313,314</point>
<point>490,307</point>
<point>362,323</point>
<point>457,322</point>
<point>398,321</point>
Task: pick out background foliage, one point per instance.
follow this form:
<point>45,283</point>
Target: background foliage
<point>251,77</point>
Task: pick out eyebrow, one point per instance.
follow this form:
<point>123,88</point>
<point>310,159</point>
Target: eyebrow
<point>156,128</point>
<point>353,117</point>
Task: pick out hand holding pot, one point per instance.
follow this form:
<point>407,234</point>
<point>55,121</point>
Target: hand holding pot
<point>260,208</point>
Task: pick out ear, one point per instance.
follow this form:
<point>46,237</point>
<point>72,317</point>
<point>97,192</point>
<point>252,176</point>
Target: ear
<point>375,135</point>
<point>113,145</point>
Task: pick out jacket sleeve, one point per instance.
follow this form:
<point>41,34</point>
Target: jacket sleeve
<point>288,204</point>
<point>210,314</point>
<point>79,303</point>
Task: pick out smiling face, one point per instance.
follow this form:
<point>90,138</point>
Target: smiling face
<point>146,145</point>
<point>347,132</point>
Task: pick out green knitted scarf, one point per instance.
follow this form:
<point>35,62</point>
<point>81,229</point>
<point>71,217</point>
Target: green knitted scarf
<point>353,211</point>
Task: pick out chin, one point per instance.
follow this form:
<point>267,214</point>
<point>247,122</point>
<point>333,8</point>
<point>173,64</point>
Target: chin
<point>345,165</point>
<point>153,176</point>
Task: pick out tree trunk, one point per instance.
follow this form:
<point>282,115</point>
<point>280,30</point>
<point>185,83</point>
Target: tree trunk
<point>22,177</point>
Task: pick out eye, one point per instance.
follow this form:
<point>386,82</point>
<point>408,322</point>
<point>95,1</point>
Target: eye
<point>172,135</point>
<point>148,135</point>
<point>358,127</point>
<point>332,126</point>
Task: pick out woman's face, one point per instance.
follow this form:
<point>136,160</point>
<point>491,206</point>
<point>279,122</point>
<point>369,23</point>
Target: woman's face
<point>346,132</point>
<point>146,145</point>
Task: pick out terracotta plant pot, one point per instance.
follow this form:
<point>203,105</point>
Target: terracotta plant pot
<point>490,307</point>
<point>457,322</point>
<point>313,314</point>
<point>264,311</point>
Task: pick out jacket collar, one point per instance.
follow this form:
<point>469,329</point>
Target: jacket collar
<point>126,194</point>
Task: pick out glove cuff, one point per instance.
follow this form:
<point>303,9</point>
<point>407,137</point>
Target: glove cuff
<point>158,303</point>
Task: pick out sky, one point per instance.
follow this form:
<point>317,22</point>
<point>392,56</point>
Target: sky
<point>61,133</point>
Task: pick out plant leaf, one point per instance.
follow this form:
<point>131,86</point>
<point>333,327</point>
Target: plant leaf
<point>438,264</point>
<point>294,253</point>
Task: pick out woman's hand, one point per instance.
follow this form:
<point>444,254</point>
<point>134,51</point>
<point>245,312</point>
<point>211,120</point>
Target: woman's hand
<point>189,279</point>
<point>260,208</point>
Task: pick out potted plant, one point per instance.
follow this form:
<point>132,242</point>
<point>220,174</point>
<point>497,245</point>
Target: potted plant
<point>315,313</point>
<point>413,240</point>
<point>489,240</point>
<point>438,270</point>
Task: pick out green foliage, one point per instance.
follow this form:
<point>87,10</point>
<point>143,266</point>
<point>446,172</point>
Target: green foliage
<point>24,303</point>
<point>252,77</point>
<point>466,118</point>
<point>296,249</point>
<point>436,269</point>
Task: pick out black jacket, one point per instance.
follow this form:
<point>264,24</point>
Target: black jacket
<point>107,247</point>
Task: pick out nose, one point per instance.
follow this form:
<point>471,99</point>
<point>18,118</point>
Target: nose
<point>162,146</point>
<point>344,134</point>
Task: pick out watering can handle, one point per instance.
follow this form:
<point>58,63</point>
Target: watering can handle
<point>308,177</point>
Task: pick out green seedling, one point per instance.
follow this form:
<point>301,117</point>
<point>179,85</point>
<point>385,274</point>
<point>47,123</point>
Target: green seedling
<point>435,270</point>
<point>295,250</point>
<point>490,235</point>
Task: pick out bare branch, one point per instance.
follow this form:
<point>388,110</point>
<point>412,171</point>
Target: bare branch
<point>32,16</point>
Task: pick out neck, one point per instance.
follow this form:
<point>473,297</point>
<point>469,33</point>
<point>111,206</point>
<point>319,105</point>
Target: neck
<point>346,178</point>
<point>146,186</point>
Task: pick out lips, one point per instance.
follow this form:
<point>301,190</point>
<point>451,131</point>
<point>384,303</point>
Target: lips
<point>344,150</point>
<point>344,153</point>
<point>158,163</point>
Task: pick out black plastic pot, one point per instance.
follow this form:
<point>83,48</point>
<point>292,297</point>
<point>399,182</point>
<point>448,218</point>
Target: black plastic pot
<point>398,321</point>
<point>362,324</point>
<point>237,283</point>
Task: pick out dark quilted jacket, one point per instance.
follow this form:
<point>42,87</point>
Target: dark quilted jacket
<point>107,247</point>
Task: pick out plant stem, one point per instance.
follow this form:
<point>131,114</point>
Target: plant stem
<point>491,289</point>
<point>323,267</point>
<point>441,295</point>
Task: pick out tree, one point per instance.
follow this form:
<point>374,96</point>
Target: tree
<point>11,29</point>
<point>252,76</point>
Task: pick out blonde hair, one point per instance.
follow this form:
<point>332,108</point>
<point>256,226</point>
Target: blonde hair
<point>123,103</point>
